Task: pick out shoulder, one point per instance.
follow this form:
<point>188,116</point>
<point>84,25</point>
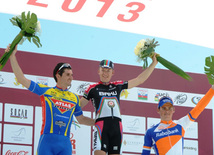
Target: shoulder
<point>91,86</point>
<point>118,82</point>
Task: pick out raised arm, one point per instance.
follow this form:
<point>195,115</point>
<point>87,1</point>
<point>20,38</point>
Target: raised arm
<point>144,75</point>
<point>201,105</point>
<point>17,70</point>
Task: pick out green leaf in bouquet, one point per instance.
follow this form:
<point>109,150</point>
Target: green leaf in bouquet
<point>209,69</point>
<point>173,67</point>
<point>29,26</point>
<point>146,48</point>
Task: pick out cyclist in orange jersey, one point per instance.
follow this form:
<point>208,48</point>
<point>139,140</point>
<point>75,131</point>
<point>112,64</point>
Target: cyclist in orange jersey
<point>167,137</point>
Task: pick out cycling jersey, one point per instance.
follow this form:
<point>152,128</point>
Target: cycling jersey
<point>58,107</point>
<point>106,98</point>
<point>167,137</point>
<point>108,126</point>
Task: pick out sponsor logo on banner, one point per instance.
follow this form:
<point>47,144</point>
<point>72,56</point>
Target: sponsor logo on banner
<point>124,93</point>
<point>18,113</point>
<point>142,94</point>
<point>191,147</point>
<point>9,152</point>
<point>133,143</point>
<point>81,88</point>
<point>195,99</point>
<point>17,134</point>
<point>73,143</point>
<point>1,80</point>
<point>159,95</point>
<point>17,150</point>
<point>180,99</point>
<point>41,80</point>
<point>133,124</point>
<point>16,83</point>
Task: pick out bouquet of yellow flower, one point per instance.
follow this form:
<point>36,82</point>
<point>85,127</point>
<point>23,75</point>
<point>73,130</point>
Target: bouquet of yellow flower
<point>29,26</point>
<point>209,69</point>
<point>146,48</point>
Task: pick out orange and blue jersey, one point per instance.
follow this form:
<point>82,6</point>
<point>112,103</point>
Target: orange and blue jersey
<point>58,108</point>
<point>167,138</point>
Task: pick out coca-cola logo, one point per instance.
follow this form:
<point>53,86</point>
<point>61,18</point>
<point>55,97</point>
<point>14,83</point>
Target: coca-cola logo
<point>9,152</point>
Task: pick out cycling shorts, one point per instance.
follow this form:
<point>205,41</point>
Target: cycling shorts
<point>108,135</point>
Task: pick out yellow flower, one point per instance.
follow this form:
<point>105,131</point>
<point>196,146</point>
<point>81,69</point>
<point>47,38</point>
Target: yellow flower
<point>140,45</point>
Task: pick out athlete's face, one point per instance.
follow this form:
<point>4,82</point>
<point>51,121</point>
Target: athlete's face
<point>105,74</point>
<point>65,80</point>
<point>166,112</point>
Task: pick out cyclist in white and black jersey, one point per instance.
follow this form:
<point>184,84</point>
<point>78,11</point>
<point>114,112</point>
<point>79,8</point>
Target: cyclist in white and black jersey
<point>105,96</point>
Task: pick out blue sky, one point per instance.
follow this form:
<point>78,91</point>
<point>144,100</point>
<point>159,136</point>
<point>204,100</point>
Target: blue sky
<point>85,42</point>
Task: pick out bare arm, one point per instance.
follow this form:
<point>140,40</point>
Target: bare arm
<point>85,120</point>
<point>83,102</point>
<point>17,70</point>
<point>144,75</point>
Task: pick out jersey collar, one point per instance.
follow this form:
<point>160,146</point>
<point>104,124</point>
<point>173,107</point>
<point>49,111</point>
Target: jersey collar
<point>166,122</point>
<point>104,83</point>
<point>61,88</point>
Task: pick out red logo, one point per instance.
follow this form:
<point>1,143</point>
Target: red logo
<point>62,105</point>
<point>111,104</point>
<point>16,153</point>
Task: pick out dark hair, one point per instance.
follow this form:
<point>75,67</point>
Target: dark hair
<point>59,69</point>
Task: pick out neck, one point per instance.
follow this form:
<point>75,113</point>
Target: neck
<point>62,87</point>
<point>105,83</point>
<point>166,121</point>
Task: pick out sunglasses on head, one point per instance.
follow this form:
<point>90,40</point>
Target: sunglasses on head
<point>65,65</point>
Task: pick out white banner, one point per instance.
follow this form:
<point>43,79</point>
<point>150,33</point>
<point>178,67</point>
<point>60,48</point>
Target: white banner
<point>19,134</point>
<point>17,149</point>
<point>132,143</point>
<point>18,113</point>
<point>134,124</point>
<point>135,94</point>
<point>191,147</point>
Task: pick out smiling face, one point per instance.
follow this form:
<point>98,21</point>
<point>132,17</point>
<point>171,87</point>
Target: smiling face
<point>105,74</point>
<point>166,111</point>
<point>65,79</point>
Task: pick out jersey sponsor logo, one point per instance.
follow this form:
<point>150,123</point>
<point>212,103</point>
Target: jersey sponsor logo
<point>168,132</point>
<point>62,105</point>
<point>95,139</point>
<point>60,123</point>
<point>114,93</point>
<point>111,104</point>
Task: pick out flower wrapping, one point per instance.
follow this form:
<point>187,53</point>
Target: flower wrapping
<point>146,48</point>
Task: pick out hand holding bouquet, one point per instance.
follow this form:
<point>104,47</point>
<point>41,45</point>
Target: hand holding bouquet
<point>29,26</point>
<point>209,69</point>
<point>146,48</point>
